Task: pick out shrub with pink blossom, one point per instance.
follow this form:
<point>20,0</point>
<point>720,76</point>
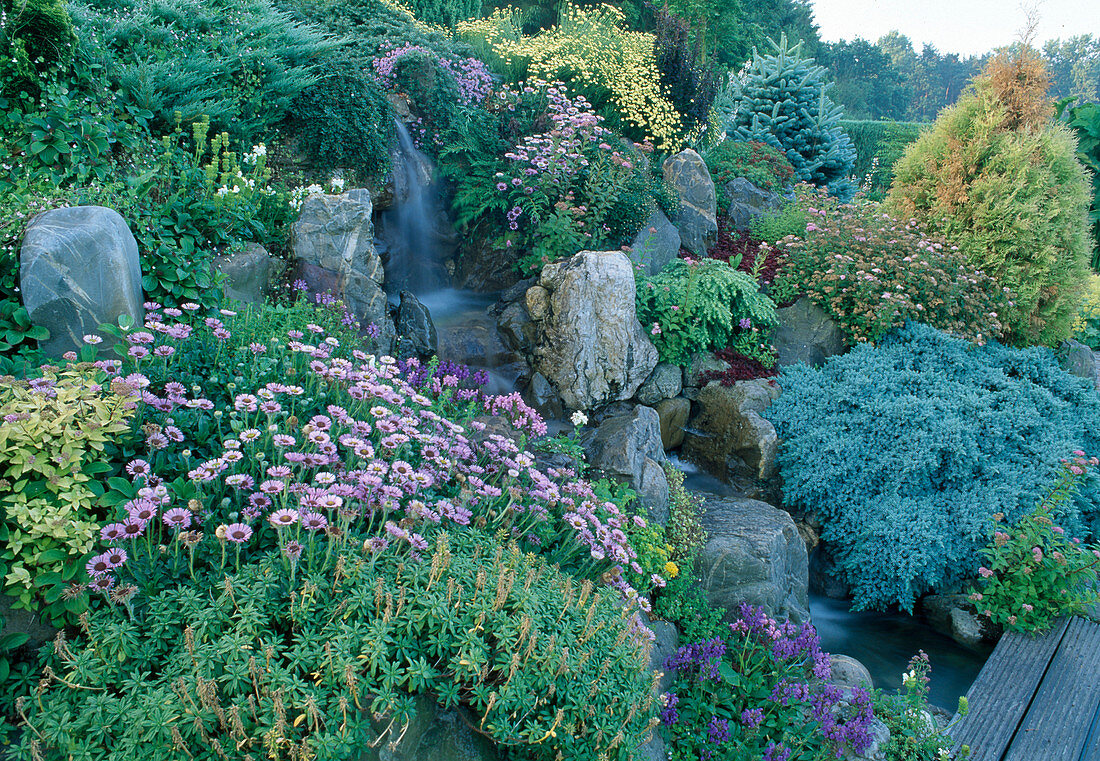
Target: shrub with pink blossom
<point>573,185</point>
<point>872,272</point>
<point>1035,572</point>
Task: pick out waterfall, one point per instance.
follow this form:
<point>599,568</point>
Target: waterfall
<point>410,230</point>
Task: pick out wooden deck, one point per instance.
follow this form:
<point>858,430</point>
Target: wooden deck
<point>1037,698</point>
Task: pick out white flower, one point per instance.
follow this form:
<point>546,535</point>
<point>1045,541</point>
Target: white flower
<point>223,190</point>
<point>907,676</point>
<point>337,183</point>
<point>578,418</point>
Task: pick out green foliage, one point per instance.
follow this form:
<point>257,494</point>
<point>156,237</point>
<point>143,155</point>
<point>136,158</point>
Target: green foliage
<point>702,305</point>
<point>241,64</point>
<point>759,163</point>
<point>777,225</point>
<point>690,79</point>
<point>1036,573</point>
<point>781,100</point>
<point>906,449</point>
<point>445,13</point>
<point>36,36</point>
<point>260,663</point>
<point>879,145</point>
<point>56,433</point>
<point>872,272</point>
<point>1086,328</point>
<point>342,122</point>
<point>1084,120</point>
<point>914,734</point>
<point>195,196</point>
<point>1000,181</point>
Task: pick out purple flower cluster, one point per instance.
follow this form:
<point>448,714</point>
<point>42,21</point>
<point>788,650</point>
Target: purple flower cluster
<point>446,374</point>
<point>291,475</point>
<point>470,75</point>
<point>700,658</point>
<point>787,641</point>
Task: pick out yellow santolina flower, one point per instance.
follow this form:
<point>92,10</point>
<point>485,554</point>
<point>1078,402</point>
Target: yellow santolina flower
<point>672,570</point>
<point>589,46</point>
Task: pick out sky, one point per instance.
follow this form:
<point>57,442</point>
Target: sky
<point>968,27</point>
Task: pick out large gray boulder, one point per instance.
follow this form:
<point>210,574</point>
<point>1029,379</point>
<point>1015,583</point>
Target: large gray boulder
<point>432,734</point>
<point>332,248</point>
<point>730,437</point>
<point>628,447</point>
<point>807,333</point>
<point>688,178</point>
<point>79,269</point>
<point>747,202</point>
<point>754,554</point>
<point>656,244</point>
<point>1082,361</point>
<point>248,273</point>
<point>591,345</point>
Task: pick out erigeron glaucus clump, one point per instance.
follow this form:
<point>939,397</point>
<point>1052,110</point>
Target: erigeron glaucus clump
<point>378,452</point>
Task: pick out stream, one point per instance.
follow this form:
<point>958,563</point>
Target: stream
<point>882,641</point>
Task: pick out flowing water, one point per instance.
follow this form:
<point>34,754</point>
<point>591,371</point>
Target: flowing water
<point>883,642</point>
<point>412,231</point>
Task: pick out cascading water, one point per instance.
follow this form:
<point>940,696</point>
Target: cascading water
<point>414,239</point>
<point>410,229</point>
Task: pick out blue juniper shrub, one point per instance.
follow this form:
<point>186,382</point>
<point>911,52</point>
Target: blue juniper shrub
<point>906,449</point>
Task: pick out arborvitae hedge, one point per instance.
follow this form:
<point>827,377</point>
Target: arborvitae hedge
<point>998,178</point>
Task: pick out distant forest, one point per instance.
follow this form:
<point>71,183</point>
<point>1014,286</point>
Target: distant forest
<point>885,79</point>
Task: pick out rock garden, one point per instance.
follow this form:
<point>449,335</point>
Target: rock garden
<point>462,382</point>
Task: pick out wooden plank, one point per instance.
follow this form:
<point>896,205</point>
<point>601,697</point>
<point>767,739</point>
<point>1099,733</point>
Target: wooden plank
<point>1000,696</point>
<point>1058,721</point>
<point>1091,751</point>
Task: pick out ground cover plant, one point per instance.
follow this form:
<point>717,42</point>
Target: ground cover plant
<point>907,449</point>
<point>999,179</point>
<point>705,305</point>
<point>347,470</point>
<point>871,272</point>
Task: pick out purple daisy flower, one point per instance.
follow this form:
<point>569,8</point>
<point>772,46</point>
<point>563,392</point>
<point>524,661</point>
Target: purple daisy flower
<point>178,518</point>
<point>238,533</point>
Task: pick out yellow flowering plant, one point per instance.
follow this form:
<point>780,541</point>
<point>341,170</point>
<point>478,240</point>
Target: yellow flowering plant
<point>53,434</point>
<point>592,50</point>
